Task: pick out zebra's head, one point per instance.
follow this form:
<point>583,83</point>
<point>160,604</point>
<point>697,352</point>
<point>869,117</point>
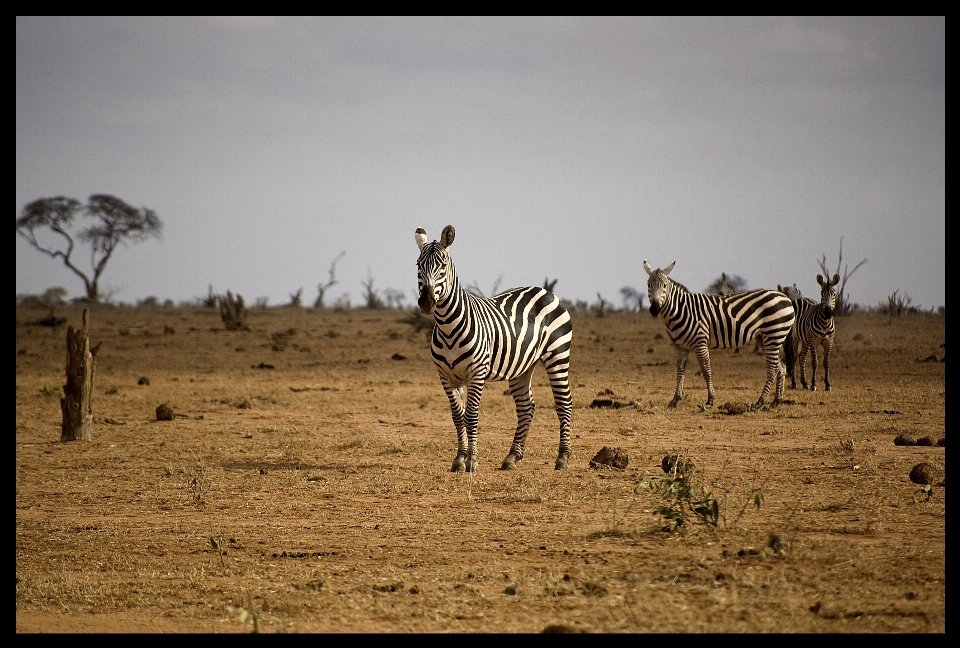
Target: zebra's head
<point>792,292</point>
<point>828,294</point>
<point>658,287</point>
<point>434,268</point>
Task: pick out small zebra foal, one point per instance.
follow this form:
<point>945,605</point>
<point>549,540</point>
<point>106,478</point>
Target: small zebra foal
<point>814,326</point>
<point>700,322</point>
<point>476,339</point>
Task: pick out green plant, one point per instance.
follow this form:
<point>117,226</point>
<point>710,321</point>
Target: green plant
<point>249,614</point>
<point>680,498</point>
<point>50,391</point>
<point>923,494</point>
<point>685,498</point>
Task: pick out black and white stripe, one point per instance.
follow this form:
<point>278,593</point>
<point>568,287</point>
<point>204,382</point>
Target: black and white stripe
<point>698,322</point>
<point>814,326</point>
<point>476,339</point>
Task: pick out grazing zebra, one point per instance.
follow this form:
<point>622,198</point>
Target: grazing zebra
<point>476,339</point>
<point>699,322</point>
<point>813,327</point>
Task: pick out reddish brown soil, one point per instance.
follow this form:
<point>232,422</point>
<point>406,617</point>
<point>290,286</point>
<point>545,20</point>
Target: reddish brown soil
<point>323,482</point>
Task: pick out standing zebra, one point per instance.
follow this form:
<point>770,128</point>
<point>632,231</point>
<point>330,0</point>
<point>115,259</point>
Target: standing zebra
<point>476,339</point>
<point>813,327</point>
<point>699,322</point>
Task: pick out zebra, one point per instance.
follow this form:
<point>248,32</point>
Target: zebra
<point>814,326</point>
<point>476,339</point>
<point>699,322</point>
<point>790,345</point>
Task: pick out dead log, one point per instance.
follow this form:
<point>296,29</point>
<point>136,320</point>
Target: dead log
<point>77,401</point>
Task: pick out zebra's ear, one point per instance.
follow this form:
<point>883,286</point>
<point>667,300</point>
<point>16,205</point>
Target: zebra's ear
<point>820,279</point>
<point>835,280</point>
<point>447,235</point>
<point>666,271</point>
<point>421,237</point>
<point>646,266</point>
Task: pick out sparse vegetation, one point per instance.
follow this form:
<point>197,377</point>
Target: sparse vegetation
<point>679,497</point>
<point>898,304</point>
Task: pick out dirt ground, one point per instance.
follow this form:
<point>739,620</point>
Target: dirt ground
<point>304,485</point>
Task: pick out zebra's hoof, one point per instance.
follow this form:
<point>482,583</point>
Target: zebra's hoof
<point>673,403</point>
<point>827,388</point>
<point>562,460</point>
<point>510,463</point>
<point>459,465</point>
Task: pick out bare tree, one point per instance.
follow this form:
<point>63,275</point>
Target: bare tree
<point>601,307</point>
<point>322,288</point>
<point>394,297</point>
<point>370,294</point>
<point>474,289</point>
<point>843,299</point>
<point>295,298</point>
<point>115,222</point>
<point>233,312</point>
<point>632,299</point>
<point>727,284</point>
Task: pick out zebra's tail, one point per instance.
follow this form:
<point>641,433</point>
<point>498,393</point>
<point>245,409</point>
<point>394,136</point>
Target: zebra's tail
<point>790,349</point>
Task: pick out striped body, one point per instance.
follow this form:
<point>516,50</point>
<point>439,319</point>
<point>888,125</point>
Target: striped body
<point>814,326</point>
<point>699,322</point>
<point>476,339</point>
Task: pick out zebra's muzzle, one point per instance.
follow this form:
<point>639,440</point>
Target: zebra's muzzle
<point>427,301</point>
<point>654,309</point>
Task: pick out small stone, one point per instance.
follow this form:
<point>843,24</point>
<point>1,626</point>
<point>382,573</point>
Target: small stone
<point>164,412</point>
<point>612,457</point>
<point>923,473</point>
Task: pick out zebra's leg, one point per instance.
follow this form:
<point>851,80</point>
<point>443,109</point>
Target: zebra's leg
<point>563,401</point>
<point>457,409</point>
<point>774,375</point>
<point>781,381</point>
<point>523,397</point>
<point>682,355</point>
<point>813,367</point>
<point>827,347</point>
<point>802,361</point>
<point>474,391</point>
<point>703,357</point>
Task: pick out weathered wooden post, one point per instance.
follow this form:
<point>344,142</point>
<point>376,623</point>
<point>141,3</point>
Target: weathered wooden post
<point>77,401</point>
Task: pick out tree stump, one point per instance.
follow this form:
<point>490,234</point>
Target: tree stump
<point>77,401</point>
<point>233,312</point>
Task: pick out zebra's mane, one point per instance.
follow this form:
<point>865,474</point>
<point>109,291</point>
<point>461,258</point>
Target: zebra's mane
<point>680,286</point>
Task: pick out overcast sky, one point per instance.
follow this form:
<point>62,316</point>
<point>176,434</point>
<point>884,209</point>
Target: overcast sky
<point>568,148</point>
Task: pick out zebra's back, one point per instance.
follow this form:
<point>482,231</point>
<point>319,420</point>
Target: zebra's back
<point>531,324</point>
<point>730,322</point>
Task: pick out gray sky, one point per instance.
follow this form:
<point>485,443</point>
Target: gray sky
<point>568,148</point>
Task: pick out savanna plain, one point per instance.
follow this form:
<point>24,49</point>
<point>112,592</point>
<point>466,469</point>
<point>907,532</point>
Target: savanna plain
<point>303,484</point>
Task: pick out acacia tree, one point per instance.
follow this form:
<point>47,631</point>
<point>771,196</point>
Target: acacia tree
<point>114,222</point>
